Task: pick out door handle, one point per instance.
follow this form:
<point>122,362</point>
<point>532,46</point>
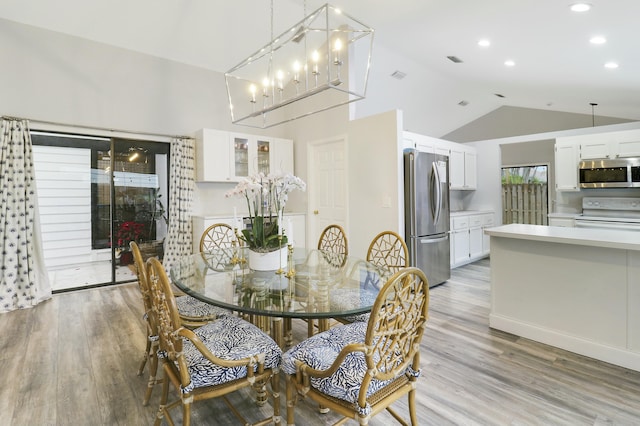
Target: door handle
<point>315,212</point>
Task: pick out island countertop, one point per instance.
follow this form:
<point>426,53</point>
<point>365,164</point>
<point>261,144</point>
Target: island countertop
<point>625,240</point>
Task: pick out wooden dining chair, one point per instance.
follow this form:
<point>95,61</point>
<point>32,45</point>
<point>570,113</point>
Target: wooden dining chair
<point>193,313</point>
<point>211,361</point>
<point>218,236</point>
<point>360,369</point>
<point>333,243</point>
<point>152,327</point>
<point>388,250</point>
<point>389,253</point>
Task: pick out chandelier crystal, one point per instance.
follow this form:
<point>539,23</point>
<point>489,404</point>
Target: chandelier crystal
<point>319,63</point>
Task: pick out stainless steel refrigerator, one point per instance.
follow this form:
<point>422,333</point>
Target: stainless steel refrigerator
<point>426,195</point>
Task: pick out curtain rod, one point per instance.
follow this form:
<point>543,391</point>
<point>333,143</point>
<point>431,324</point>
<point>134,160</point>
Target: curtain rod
<point>103,129</point>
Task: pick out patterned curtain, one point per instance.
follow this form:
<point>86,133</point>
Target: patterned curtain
<point>181,183</point>
<point>24,281</point>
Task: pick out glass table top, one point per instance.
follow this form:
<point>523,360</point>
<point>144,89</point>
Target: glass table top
<point>314,284</point>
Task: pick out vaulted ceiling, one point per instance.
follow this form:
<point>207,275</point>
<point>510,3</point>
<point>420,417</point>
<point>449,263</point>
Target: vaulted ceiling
<point>556,66</point>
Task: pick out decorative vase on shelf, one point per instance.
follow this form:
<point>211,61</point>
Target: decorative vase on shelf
<point>269,261</point>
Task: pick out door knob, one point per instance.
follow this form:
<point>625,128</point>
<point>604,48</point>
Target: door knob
<point>315,212</point>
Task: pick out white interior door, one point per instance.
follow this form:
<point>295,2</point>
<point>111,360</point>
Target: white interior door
<point>327,187</point>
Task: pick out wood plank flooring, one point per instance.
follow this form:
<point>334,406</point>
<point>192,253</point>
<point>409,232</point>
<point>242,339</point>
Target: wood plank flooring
<point>73,361</point>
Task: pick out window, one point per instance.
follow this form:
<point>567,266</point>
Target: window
<point>525,195</point>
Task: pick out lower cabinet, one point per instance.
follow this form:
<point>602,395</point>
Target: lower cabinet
<point>468,242</point>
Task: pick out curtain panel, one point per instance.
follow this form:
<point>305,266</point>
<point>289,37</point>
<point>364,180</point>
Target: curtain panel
<point>181,187</point>
<point>24,281</point>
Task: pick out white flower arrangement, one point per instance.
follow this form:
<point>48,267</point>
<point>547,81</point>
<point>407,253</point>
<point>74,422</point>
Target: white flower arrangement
<point>266,197</point>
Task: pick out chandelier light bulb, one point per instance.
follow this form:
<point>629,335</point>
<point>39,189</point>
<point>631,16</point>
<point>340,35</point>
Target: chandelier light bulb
<point>315,57</point>
<point>252,90</point>
<point>337,47</point>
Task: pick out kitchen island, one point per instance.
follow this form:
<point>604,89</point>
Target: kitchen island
<point>573,288</point>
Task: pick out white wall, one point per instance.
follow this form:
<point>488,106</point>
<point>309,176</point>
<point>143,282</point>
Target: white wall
<point>376,198</point>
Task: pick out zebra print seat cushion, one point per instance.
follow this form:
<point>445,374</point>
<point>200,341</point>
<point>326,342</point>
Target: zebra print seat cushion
<point>321,350</point>
<point>229,338</point>
<point>342,299</point>
<point>191,307</point>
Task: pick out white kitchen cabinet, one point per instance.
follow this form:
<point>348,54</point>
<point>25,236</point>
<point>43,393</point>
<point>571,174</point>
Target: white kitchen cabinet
<point>607,145</point>
<point>229,157</point>
<point>487,222</point>
<point>566,165</point>
<point>595,149</point>
<point>462,167</point>
<point>610,149</point>
<point>564,220</point>
<point>628,148</point>
<point>213,150</point>
<point>468,242</point>
<point>281,156</point>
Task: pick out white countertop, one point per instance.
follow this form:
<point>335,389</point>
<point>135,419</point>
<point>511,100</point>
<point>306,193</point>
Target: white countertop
<point>569,215</point>
<point>468,212</point>
<point>624,240</point>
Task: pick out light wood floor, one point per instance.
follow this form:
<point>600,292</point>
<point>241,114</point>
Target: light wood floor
<point>73,361</point>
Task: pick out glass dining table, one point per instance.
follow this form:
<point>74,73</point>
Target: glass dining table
<point>315,286</point>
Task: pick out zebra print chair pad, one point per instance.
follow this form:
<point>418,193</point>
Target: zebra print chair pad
<point>191,307</point>
<point>229,338</point>
<point>321,350</point>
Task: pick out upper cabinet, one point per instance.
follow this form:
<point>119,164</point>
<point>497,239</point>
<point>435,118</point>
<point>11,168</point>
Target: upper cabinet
<point>229,157</point>
<point>566,159</point>
<point>462,167</point>
<point>610,145</point>
<point>425,143</point>
<point>462,159</point>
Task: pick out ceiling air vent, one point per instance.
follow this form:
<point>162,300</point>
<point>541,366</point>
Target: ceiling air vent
<point>398,75</point>
<point>454,59</point>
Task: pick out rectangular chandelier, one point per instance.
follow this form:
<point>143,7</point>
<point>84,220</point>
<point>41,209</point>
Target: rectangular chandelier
<point>319,63</point>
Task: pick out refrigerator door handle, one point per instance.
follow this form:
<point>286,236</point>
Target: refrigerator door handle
<point>436,192</point>
<point>433,240</point>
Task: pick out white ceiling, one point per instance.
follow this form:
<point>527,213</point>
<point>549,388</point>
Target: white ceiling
<point>556,66</point>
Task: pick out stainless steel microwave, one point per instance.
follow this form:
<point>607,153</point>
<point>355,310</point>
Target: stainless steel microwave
<point>610,173</point>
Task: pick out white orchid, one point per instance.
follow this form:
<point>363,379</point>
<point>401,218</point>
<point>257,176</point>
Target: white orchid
<point>266,197</point>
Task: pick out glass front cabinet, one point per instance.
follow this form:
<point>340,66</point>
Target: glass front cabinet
<point>227,157</point>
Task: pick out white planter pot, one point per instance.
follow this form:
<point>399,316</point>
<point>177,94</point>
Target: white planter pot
<point>270,261</point>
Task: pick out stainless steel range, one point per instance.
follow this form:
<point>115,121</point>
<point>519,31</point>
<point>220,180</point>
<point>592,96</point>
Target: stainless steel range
<point>610,213</point>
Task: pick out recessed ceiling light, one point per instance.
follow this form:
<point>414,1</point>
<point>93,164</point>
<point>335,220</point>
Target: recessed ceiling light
<point>597,40</point>
<point>509,63</point>
<point>580,7</point>
<point>484,42</point>
<point>611,65</point>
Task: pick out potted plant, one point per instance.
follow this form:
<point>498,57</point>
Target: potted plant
<point>127,232</point>
<point>266,197</point>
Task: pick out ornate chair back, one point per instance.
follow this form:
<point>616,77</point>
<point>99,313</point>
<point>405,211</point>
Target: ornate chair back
<point>218,236</point>
<point>150,319</point>
<point>388,250</point>
<point>333,242</point>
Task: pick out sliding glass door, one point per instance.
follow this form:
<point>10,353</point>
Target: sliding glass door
<point>95,195</point>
